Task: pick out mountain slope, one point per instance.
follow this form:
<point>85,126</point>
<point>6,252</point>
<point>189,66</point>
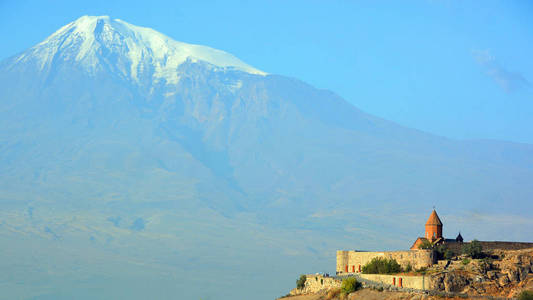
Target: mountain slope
<point>264,139</point>
<point>109,121</point>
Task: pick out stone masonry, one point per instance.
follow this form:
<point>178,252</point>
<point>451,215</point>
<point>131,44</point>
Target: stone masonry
<point>353,261</point>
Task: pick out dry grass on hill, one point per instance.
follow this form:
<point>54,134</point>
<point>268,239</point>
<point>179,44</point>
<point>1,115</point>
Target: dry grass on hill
<point>368,294</point>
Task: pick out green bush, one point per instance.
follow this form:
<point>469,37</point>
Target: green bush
<point>442,252</point>
<point>465,261</point>
<point>526,295</point>
<point>381,265</point>
<point>300,283</point>
<point>350,285</point>
<point>473,249</point>
<point>448,254</point>
<point>425,245</point>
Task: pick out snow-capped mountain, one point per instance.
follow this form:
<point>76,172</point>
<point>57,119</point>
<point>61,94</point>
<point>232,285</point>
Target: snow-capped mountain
<point>238,130</point>
<point>130,154</point>
<point>97,42</point>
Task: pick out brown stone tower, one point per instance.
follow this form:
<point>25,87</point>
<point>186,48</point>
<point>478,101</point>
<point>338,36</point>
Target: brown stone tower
<point>433,227</point>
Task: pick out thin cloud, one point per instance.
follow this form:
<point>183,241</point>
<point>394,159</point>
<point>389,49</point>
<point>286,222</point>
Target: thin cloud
<point>510,81</point>
<point>327,214</point>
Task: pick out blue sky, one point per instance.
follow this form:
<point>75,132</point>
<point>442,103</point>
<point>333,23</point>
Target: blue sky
<point>458,69</point>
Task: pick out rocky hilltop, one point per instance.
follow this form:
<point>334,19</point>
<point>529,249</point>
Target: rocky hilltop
<point>502,274</point>
<point>505,274</point>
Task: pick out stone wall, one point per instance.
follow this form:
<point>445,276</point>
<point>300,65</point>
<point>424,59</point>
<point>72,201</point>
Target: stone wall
<point>456,247</point>
<point>400,281</point>
<point>496,245</point>
<point>353,261</point>
<point>317,283</point>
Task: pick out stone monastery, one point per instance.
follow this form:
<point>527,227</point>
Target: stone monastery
<point>352,261</point>
<point>434,234</point>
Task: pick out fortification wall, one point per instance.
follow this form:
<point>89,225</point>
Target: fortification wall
<point>496,245</point>
<point>353,261</point>
<point>410,282</point>
<point>490,245</point>
<point>317,283</point>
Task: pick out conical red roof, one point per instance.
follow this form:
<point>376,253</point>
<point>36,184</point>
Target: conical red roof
<point>434,219</point>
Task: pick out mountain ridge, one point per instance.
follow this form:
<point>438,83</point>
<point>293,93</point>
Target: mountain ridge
<point>92,41</point>
<point>214,114</point>
<point>222,164</point>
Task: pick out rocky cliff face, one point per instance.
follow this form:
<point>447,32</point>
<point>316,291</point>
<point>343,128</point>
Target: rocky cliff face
<point>504,276</point>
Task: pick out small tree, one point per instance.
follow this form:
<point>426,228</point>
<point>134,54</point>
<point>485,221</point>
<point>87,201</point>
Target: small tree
<point>473,249</point>
<point>439,251</point>
<point>350,285</point>
<point>442,252</point>
<point>425,245</point>
<point>300,283</point>
<point>379,265</point>
<point>448,254</point>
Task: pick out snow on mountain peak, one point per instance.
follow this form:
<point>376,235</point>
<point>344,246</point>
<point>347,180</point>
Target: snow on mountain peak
<point>133,51</point>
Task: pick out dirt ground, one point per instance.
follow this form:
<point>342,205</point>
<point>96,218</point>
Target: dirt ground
<point>368,294</point>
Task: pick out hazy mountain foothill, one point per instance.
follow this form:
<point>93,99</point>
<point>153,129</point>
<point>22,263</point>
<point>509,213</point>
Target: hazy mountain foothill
<point>135,166</point>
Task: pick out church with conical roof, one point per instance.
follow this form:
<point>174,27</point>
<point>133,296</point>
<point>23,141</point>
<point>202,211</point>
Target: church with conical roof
<point>433,235</point>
